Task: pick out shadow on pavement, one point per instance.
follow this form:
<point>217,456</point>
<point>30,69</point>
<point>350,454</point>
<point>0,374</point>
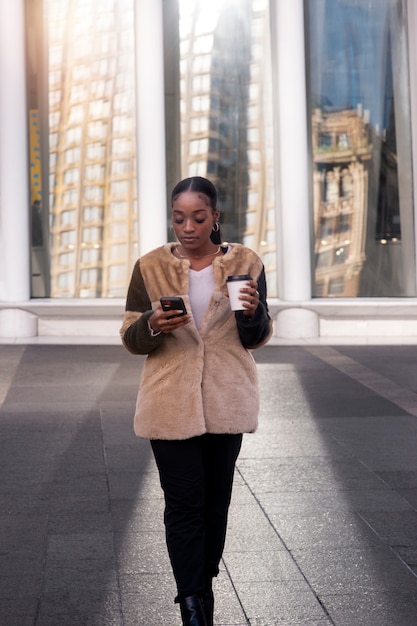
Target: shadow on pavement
<point>72,473</point>
<point>337,476</point>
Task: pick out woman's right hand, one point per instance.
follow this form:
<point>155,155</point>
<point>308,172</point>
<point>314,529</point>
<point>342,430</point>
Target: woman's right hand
<point>163,321</point>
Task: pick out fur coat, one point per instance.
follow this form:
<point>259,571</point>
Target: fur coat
<point>195,381</point>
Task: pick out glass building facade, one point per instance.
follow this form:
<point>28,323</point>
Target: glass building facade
<point>344,230</point>
<point>84,235</point>
<point>358,69</point>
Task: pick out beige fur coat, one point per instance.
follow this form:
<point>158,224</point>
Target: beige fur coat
<point>194,381</point>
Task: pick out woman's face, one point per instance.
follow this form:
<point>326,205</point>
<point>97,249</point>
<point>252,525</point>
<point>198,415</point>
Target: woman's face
<point>192,220</point>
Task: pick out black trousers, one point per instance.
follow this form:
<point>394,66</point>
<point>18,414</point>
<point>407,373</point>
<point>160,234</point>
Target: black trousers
<point>196,476</point>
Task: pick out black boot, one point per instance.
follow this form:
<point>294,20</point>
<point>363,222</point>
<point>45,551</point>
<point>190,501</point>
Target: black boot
<point>208,605</point>
<point>192,611</point>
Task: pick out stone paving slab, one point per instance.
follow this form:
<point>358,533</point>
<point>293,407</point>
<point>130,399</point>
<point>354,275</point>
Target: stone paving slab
<point>324,511</point>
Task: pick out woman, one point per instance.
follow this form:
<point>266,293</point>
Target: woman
<point>198,391</point>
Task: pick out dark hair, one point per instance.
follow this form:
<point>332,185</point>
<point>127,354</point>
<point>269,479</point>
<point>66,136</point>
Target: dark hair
<point>199,185</point>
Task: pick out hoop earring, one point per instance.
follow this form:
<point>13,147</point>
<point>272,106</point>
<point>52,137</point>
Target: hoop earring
<point>216,227</point>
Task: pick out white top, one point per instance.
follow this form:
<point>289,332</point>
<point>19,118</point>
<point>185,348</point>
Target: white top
<point>201,287</point>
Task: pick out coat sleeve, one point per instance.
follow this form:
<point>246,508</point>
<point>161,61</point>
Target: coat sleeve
<point>135,332</point>
<point>255,331</point>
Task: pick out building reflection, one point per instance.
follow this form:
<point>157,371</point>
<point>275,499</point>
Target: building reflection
<point>223,111</point>
<point>361,140</point>
<point>342,151</point>
<point>226,116</point>
<point>93,230</point>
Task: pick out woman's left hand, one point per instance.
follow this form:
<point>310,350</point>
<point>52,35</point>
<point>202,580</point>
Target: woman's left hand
<point>250,298</point>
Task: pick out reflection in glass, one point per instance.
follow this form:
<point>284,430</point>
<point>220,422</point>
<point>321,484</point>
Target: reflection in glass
<point>85,226</point>
<point>90,85</point>
<point>226,116</point>
<point>360,125</point>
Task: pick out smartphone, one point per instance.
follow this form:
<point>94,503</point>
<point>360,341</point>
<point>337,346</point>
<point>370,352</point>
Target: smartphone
<point>173,303</point>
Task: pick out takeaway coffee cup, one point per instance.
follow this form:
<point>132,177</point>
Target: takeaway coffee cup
<point>234,285</point>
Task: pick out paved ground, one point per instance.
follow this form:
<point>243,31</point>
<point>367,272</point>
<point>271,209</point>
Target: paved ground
<point>323,525</point>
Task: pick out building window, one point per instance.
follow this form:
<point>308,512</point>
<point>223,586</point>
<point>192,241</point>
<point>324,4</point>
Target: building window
<point>118,230</point>
<point>92,90</point>
<point>119,188</point>
<point>65,280</point>
<point>118,251</point>
<point>197,168</point>
<point>117,273</point>
<point>199,125</point>
<point>122,124</point>
<point>201,82</point>
<point>96,152</point>
<point>80,72</point>
<point>93,214</point>
<point>94,193</point>
<point>76,114</point>
<point>72,155</point>
<point>89,276</point>
<point>361,148</point>
<point>122,146</point>
<point>94,172</point>
<point>120,167</point>
<point>54,119</point>
<point>199,146</point>
<point>97,130</point>
<point>118,209</point>
<point>99,109</point>
<point>70,197</point>
<point>93,234</point>
<point>66,259</point>
<point>54,97</point>
<point>73,135</point>
<point>226,116</point>
<point>68,238</point>
<point>91,255</point>
<point>68,218</point>
<point>78,94</point>
<point>202,63</point>
<point>72,176</point>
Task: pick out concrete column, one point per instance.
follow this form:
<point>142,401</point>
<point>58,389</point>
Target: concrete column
<point>412,45</point>
<point>292,176</point>
<point>150,131</point>
<point>14,174</point>
<point>14,165</point>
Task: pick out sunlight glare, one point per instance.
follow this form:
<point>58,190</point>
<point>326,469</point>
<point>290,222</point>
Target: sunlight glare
<point>206,11</point>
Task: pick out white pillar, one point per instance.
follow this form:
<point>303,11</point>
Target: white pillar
<point>412,44</point>
<point>291,148</point>
<point>292,176</point>
<point>150,131</point>
<point>14,165</point>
